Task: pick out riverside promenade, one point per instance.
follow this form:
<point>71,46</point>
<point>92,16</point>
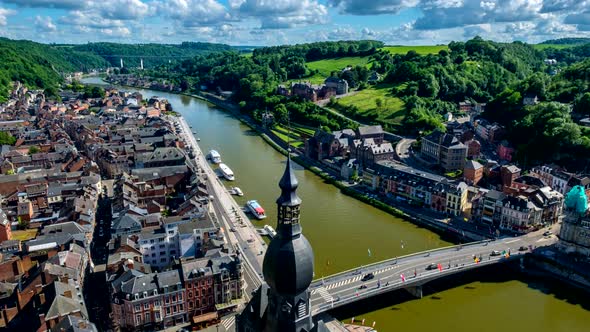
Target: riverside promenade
<point>238,230</point>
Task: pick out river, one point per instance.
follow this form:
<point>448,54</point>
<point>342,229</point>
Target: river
<point>346,233</point>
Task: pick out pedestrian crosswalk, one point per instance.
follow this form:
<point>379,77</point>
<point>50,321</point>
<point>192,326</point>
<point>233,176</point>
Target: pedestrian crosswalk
<point>324,294</point>
<point>228,322</point>
<point>351,280</point>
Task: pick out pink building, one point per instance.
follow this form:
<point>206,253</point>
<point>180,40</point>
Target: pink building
<point>505,151</point>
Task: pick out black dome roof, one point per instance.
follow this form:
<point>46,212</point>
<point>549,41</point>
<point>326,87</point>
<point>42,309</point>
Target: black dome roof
<point>288,265</point>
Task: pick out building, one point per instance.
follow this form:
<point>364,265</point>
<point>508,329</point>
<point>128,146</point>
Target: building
<point>519,214</point>
<point>282,303</point>
<point>5,227</point>
<point>473,172</point>
<point>473,148</point>
<point>445,150</point>
<point>340,85</point>
<point>574,236</point>
<point>505,151</point>
<point>530,99</point>
<point>371,132</point>
<point>148,301</point>
<point>508,174</point>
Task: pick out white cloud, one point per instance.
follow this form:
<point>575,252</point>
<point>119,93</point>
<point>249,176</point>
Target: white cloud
<point>374,7</point>
<point>280,14</point>
<point>44,24</point>
<point>4,13</point>
<point>61,4</point>
<point>194,13</point>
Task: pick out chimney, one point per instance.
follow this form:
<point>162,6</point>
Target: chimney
<point>68,293</point>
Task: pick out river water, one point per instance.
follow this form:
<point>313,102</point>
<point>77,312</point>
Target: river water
<point>346,233</point>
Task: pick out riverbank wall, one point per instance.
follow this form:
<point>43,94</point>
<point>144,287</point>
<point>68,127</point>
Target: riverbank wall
<point>549,262</point>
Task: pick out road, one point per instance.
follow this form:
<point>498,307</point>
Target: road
<point>345,287</point>
<point>244,238</point>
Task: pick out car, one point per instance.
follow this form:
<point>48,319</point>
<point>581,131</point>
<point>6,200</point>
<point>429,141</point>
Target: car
<point>368,276</point>
<point>495,253</point>
<point>523,248</point>
<point>363,287</point>
<point>232,229</point>
<point>547,233</point>
<point>431,267</point>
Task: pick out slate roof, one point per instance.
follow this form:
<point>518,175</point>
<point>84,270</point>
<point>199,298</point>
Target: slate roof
<point>125,222</point>
<point>370,130</point>
<point>472,164</point>
<point>74,324</point>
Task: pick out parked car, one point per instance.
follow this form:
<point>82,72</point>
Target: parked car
<point>495,253</point>
<point>363,287</point>
<point>547,233</point>
<point>368,276</point>
<point>523,248</point>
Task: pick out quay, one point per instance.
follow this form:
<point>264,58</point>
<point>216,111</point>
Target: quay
<point>230,214</point>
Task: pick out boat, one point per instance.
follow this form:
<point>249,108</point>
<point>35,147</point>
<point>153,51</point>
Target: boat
<point>271,231</point>
<point>236,191</point>
<point>198,139</point>
<point>227,172</point>
<point>256,209</point>
<point>214,156</point>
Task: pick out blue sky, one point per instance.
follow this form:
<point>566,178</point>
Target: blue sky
<point>272,22</point>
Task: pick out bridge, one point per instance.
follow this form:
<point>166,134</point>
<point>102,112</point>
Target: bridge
<point>417,269</point>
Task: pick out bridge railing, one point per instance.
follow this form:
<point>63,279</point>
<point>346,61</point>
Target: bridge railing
<point>372,266</point>
<point>408,283</point>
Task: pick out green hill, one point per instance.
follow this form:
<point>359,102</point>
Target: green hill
<point>152,54</point>
<point>39,65</point>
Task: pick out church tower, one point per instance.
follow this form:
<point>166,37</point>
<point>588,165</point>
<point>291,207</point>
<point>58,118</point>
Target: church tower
<point>282,303</point>
<point>288,264</point>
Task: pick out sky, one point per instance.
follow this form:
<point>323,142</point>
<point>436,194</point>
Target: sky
<point>275,22</point>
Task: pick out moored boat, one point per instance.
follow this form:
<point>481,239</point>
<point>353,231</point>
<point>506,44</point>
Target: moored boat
<point>226,172</point>
<point>214,156</point>
<point>236,191</point>
<point>256,209</point>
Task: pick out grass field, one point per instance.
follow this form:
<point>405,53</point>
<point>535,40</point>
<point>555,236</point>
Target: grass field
<point>557,46</point>
<point>390,112</point>
<point>326,67</point>
<point>419,49</point>
<point>24,235</point>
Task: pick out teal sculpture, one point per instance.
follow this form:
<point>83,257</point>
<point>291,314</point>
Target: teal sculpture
<point>576,200</point>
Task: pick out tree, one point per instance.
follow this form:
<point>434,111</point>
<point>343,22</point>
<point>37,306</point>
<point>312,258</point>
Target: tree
<point>33,150</point>
<point>582,104</point>
<point>6,138</point>
<point>379,103</point>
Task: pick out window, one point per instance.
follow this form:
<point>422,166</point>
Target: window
<point>158,315</point>
<point>137,307</point>
<point>181,307</point>
<point>153,254</point>
<point>162,253</point>
<point>174,309</point>
<point>152,241</point>
<point>167,299</point>
<point>162,246</point>
<point>179,296</point>
<point>137,319</point>
<point>163,259</point>
<point>190,294</point>
<point>173,298</point>
<point>146,305</point>
<point>147,317</point>
<point>167,311</point>
<point>156,302</point>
